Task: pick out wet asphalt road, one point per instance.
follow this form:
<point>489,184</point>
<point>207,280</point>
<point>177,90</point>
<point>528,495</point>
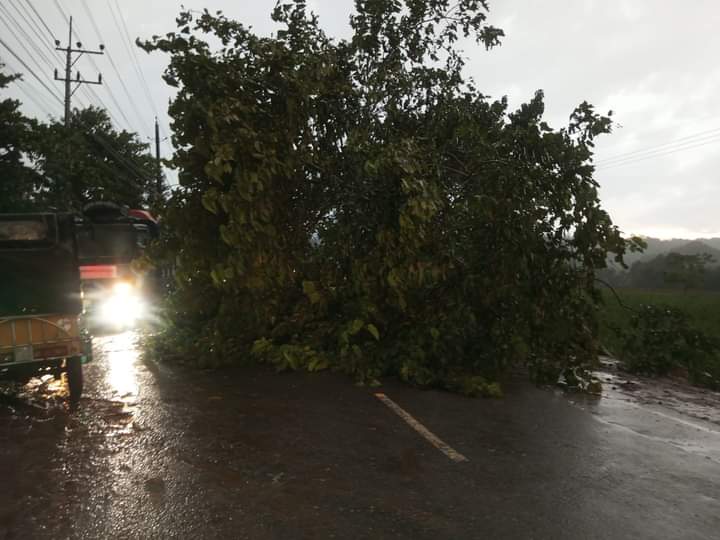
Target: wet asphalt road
<point>160,453</point>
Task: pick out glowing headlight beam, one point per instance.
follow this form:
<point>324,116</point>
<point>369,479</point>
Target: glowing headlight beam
<point>123,308</point>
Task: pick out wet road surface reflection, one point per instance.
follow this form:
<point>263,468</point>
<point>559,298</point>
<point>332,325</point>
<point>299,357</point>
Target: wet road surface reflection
<point>121,356</point>
<point>154,452</point>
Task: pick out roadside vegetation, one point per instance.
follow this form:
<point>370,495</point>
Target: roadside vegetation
<point>664,316</point>
<point>664,332</point>
<point>360,205</point>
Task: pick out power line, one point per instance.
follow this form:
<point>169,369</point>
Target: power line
<point>129,43</point>
<point>29,3</point>
<point>38,103</point>
<point>624,156</point>
<point>92,19</point>
<point>30,70</point>
<point>89,92</point>
<point>120,109</point>
<point>32,23</point>
<point>7,20</point>
<point>67,20</point>
<point>34,26</point>
<point>35,97</point>
<point>661,153</point>
<point>84,94</point>
<point>112,97</point>
<point>128,124</point>
<point>69,63</point>
<point>132,54</point>
<point>117,72</point>
<point>135,109</point>
<point>126,161</point>
<point>27,38</point>
<point>112,116</point>
<point>122,178</point>
<point>129,165</point>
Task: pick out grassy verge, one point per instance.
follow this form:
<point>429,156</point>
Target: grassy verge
<point>702,307</point>
<point>672,332</point>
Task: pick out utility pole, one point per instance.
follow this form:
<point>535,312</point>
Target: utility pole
<point>69,63</point>
<point>159,186</point>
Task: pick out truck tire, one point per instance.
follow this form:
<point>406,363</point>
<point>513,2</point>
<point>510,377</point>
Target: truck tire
<point>74,374</point>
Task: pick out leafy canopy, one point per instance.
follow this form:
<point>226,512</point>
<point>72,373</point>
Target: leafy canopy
<point>89,160</point>
<point>46,165</point>
<point>16,141</point>
<point>360,205</point>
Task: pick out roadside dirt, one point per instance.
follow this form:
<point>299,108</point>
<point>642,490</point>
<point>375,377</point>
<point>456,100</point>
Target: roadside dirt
<point>675,394</point>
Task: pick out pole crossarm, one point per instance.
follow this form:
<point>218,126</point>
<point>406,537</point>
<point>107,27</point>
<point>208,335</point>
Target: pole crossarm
<point>78,80</point>
<point>81,51</point>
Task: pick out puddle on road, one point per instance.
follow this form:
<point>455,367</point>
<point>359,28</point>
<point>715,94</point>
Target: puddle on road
<point>659,409</point>
<point>112,379</point>
<point>677,398</point>
<point>112,376</point>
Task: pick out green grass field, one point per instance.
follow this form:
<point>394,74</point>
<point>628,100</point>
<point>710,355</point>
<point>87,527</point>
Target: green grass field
<point>703,308</point>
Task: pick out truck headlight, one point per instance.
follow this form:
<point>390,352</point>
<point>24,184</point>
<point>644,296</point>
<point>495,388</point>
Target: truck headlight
<point>123,307</point>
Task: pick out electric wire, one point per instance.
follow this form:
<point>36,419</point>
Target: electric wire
<point>91,93</point>
<point>129,165</point>
<point>35,28</point>
<point>67,20</point>
<point>134,59</point>
<point>661,153</point>
<point>702,135</point>
<point>94,97</point>
<point>7,20</point>
<point>32,7</point>
<point>138,115</point>
<point>118,157</point>
<point>24,86</point>
<point>30,70</point>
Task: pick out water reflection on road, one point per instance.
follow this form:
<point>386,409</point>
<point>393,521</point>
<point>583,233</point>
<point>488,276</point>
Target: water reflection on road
<point>120,356</point>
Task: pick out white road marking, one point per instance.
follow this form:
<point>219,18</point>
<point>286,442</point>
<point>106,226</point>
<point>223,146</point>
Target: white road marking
<point>422,430</point>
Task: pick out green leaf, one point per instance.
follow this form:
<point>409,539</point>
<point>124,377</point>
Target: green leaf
<point>311,291</point>
<point>374,331</point>
<point>209,201</point>
<point>318,364</point>
<point>356,326</point>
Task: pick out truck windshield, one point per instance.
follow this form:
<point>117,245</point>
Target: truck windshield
<point>110,243</point>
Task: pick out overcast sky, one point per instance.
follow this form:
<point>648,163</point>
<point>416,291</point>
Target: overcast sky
<point>653,62</point>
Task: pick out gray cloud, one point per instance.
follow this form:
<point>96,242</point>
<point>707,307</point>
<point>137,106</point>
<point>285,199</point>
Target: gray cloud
<point>652,61</point>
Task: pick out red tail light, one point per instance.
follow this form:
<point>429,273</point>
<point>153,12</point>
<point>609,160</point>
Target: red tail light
<point>98,271</point>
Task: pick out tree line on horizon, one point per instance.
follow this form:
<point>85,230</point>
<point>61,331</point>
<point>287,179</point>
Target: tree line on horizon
<point>694,271</point>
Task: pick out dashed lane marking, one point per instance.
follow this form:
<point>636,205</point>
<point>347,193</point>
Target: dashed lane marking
<point>422,430</point>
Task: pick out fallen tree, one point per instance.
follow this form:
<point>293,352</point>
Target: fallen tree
<point>360,205</point>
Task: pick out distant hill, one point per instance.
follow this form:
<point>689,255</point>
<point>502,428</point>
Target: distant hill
<point>678,245</point>
<point>696,247</point>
